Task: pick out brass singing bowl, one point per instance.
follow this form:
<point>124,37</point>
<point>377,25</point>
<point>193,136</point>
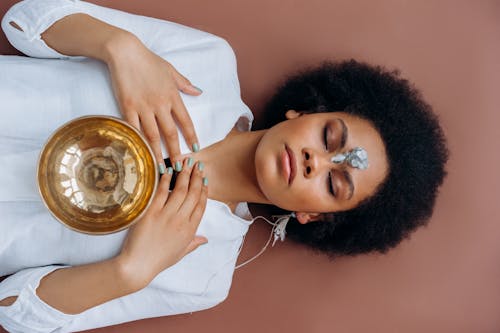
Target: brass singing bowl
<point>97,174</point>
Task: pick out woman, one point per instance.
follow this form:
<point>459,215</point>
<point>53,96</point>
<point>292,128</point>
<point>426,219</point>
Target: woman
<point>359,173</point>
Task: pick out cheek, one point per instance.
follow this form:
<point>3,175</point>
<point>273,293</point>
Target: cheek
<point>266,169</point>
<point>308,196</point>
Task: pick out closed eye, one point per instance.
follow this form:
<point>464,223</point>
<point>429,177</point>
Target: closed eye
<point>325,137</point>
<point>330,184</point>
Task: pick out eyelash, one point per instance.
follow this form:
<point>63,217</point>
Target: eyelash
<point>325,138</point>
<point>329,184</point>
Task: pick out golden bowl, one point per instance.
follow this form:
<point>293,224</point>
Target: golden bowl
<point>97,174</point>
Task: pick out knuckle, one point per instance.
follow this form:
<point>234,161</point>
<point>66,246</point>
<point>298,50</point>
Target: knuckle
<point>128,102</point>
<point>152,136</point>
<point>181,112</point>
<point>184,84</point>
<point>171,134</point>
<point>165,181</point>
<point>179,229</point>
<point>190,132</point>
<point>129,114</point>
<point>162,103</point>
<point>181,187</point>
<point>169,66</point>
<point>190,198</point>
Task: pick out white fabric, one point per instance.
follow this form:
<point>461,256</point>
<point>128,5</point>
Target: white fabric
<point>37,96</point>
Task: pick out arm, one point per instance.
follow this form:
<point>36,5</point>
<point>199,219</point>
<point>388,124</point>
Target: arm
<point>26,21</point>
<point>30,314</point>
<point>96,39</point>
<point>88,285</point>
<point>145,85</point>
<point>166,230</point>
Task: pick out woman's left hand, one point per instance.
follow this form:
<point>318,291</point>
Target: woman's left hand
<point>166,232</point>
<point>147,90</point>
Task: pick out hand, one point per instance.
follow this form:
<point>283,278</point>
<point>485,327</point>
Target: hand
<point>147,90</point>
<point>166,233</point>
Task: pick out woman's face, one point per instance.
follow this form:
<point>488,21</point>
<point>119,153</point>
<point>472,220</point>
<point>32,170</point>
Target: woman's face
<point>294,168</point>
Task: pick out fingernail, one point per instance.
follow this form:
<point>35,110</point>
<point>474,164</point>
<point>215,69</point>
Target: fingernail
<point>161,167</point>
<point>196,148</point>
<point>200,166</point>
<point>170,170</point>
<point>178,166</point>
<point>199,90</point>
<point>190,162</point>
<point>205,181</point>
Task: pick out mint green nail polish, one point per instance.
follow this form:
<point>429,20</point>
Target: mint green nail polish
<point>161,168</point>
<point>190,162</point>
<point>196,148</point>
<point>178,166</point>
<point>195,87</point>
<point>200,166</point>
<point>205,181</point>
<point>170,170</point>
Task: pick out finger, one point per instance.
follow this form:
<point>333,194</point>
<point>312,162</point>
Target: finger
<point>162,192</point>
<point>197,241</point>
<point>133,119</point>
<point>194,191</point>
<point>184,85</point>
<point>199,209</point>
<point>185,123</point>
<point>150,128</point>
<point>179,192</point>
<point>169,130</point>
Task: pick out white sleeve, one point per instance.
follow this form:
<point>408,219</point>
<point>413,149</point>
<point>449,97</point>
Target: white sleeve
<point>36,16</point>
<point>30,314</point>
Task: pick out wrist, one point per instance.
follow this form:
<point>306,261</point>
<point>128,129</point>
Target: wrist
<point>121,44</point>
<point>129,275</point>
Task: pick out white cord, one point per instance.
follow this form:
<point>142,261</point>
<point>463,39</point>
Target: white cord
<point>278,231</point>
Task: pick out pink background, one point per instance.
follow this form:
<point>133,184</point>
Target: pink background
<point>447,277</point>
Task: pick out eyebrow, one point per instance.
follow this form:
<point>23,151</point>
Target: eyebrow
<point>344,134</point>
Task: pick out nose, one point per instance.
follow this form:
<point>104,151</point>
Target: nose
<point>316,161</point>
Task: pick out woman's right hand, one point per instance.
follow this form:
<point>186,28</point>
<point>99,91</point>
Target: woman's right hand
<point>166,233</point>
<point>147,88</point>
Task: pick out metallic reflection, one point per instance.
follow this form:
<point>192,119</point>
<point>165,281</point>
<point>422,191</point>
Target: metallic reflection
<point>97,174</point>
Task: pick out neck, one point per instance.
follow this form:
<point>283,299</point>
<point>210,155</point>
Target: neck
<point>230,168</point>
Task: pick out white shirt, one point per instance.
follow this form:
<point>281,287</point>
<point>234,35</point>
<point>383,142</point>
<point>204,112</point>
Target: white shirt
<point>39,95</point>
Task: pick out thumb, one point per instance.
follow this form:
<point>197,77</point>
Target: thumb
<point>184,84</point>
<point>197,241</point>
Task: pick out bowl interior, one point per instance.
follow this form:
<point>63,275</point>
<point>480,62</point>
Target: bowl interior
<point>97,174</point>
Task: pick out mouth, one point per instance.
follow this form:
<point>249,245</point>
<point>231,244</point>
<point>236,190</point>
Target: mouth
<point>288,164</point>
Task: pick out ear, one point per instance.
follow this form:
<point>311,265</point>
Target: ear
<point>292,114</point>
<point>304,218</point>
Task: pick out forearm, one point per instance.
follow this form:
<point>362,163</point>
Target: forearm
<point>82,35</point>
<point>73,290</point>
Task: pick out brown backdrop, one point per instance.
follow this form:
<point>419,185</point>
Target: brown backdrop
<point>447,277</point>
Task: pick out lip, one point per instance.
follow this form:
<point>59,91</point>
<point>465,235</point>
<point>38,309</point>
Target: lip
<point>291,164</point>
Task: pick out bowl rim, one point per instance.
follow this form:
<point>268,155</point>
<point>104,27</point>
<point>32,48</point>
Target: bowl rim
<point>105,117</point>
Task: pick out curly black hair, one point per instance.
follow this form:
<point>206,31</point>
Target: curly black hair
<point>414,141</point>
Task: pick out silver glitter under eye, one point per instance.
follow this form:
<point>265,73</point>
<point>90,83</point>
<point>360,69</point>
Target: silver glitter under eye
<point>356,158</point>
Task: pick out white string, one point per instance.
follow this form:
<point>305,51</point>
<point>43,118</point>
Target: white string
<point>275,225</point>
